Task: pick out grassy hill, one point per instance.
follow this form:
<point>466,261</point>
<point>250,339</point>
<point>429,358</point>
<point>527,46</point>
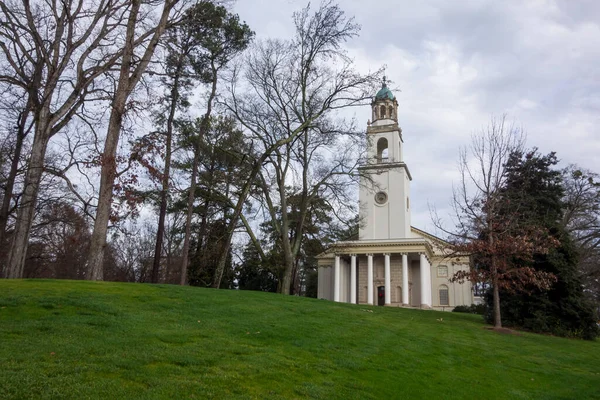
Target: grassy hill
<point>65,339</point>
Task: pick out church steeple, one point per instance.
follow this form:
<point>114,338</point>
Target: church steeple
<point>383,197</point>
<point>384,106</point>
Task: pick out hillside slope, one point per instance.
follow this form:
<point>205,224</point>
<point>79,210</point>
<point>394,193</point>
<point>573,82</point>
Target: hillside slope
<point>66,339</point>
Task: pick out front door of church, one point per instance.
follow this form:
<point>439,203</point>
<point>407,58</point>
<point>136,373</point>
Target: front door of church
<point>381,295</point>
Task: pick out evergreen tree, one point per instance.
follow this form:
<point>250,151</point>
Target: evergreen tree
<point>533,190</point>
<point>220,167</point>
<point>254,273</point>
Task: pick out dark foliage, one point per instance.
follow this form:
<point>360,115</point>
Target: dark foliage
<point>202,267</point>
<point>562,310</point>
<point>254,274</point>
<point>472,309</point>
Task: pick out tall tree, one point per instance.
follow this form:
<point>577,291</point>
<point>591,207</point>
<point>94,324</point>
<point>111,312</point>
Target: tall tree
<point>487,226</point>
<point>54,52</point>
<point>581,218</point>
<point>225,38</point>
<point>292,91</point>
<point>313,238</point>
<point>536,187</point>
<point>134,60</point>
<point>220,175</point>
<point>19,127</point>
<point>185,64</point>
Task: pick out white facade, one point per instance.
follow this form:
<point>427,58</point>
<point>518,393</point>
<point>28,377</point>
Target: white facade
<point>391,263</point>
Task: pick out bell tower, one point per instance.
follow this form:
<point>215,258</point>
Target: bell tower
<point>385,181</point>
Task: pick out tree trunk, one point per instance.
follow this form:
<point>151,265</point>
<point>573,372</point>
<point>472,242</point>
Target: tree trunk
<point>26,210</point>
<point>203,128</point>
<point>287,278</point>
<point>108,173</point>
<point>494,269</point>
<point>237,211</point>
<point>200,256</point>
<point>188,218</point>
<point>286,246</point>
<point>160,231</point>
<point>126,83</point>
<point>12,176</point>
<point>165,178</point>
<point>230,229</point>
<point>497,317</point>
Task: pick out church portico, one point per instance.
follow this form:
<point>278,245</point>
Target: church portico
<point>392,263</point>
<point>362,275</point>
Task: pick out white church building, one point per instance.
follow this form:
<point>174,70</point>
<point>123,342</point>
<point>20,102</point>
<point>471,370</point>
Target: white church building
<point>392,263</point>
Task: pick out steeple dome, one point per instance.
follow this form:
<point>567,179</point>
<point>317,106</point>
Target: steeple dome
<point>384,106</point>
<point>384,92</point>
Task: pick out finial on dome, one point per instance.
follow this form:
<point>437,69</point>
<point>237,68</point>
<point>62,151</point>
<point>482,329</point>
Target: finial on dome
<point>384,92</point>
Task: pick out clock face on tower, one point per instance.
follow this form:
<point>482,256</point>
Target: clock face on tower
<point>381,197</point>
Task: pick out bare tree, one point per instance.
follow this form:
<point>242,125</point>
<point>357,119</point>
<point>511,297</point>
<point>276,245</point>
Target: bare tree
<point>581,219</point>
<point>16,107</point>
<point>487,228</point>
<point>56,52</point>
<point>132,66</point>
<point>290,96</point>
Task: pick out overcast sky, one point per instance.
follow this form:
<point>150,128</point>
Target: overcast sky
<point>460,62</point>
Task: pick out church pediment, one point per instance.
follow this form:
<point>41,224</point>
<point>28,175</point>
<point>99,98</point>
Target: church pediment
<point>408,245</point>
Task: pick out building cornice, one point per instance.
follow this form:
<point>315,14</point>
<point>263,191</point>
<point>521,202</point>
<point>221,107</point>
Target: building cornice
<point>386,165</point>
<point>374,129</point>
<point>396,246</point>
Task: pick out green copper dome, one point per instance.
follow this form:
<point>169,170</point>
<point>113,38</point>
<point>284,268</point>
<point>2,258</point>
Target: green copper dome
<point>384,92</point>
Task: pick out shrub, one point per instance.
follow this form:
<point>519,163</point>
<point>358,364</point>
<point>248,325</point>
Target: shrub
<point>472,309</point>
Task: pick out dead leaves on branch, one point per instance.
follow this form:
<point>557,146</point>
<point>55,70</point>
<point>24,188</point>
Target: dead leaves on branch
<point>505,256</point>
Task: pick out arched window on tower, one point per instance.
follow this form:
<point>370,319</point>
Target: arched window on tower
<point>382,111</point>
<point>382,150</point>
<point>391,112</point>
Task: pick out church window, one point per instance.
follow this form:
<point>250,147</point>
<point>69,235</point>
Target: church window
<point>382,150</point>
<point>391,112</point>
<point>444,297</point>
<point>442,271</point>
<point>382,111</point>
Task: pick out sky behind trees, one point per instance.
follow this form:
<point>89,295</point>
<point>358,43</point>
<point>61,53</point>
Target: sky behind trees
<point>457,64</point>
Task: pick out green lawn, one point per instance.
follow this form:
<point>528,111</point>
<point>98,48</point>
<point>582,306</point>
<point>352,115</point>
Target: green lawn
<point>65,339</point>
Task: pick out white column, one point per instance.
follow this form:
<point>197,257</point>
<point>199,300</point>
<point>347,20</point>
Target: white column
<point>388,280</point>
<point>405,279</point>
<point>425,281</point>
<point>429,302</point>
<point>370,279</point>
<point>336,279</point>
<point>353,279</point>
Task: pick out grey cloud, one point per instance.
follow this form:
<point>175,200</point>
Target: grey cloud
<point>460,62</point>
